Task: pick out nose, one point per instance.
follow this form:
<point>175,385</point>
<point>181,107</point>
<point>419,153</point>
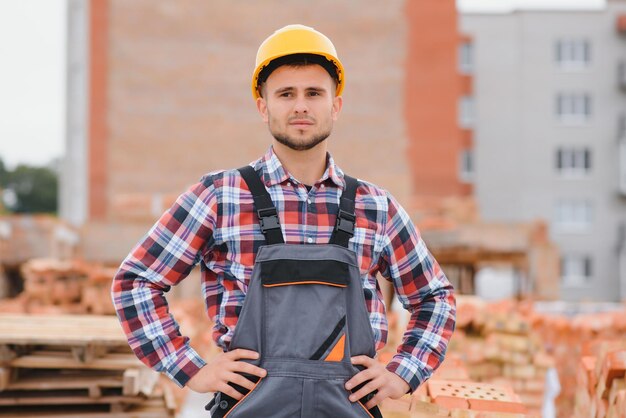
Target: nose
<point>300,105</point>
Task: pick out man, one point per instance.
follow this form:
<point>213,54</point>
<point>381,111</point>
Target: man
<point>301,244</point>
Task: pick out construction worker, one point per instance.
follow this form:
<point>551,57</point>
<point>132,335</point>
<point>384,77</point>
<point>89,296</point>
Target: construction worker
<point>290,247</point>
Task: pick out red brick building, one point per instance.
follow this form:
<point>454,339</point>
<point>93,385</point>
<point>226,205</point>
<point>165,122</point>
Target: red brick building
<point>434,88</point>
<point>169,100</point>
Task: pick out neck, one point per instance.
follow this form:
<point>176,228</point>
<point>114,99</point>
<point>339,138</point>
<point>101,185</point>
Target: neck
<point>306,166</point>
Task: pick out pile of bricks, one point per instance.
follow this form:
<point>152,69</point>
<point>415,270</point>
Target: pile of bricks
<point>574,339</point>
<point>75,366</point>
<point>498,345</point>
<point>457,398</point>
<point>53,286</point>
<point>601,382</point>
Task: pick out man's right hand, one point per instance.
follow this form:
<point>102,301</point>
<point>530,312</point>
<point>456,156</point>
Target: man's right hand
<point>225,368</point>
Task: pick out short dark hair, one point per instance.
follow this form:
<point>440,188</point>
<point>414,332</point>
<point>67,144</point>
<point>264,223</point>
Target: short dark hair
<point>297,60</point>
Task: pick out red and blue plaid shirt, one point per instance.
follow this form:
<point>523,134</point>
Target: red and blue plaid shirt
<point>212,224</point>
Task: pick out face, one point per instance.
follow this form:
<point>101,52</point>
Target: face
<point>299,105</point>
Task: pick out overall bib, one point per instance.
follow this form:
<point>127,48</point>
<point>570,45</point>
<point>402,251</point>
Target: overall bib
<point>305,314</point>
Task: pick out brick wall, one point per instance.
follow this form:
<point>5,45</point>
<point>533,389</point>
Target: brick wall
<point>179,101</point>
<point>433,88</point>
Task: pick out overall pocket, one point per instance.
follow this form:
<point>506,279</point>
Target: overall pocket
<point>272,397</point>
<point>305,306</point>
<point>331,401</point>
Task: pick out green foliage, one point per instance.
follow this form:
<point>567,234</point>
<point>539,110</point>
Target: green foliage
<point>35,188</point>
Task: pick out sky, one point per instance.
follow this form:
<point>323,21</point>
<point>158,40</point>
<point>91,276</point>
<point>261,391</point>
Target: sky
<point>32,80</point>
<point>32,72</point>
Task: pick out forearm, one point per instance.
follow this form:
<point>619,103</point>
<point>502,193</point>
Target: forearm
<point>426,339</point>
<point>152,332</point>
<point>424,290</point>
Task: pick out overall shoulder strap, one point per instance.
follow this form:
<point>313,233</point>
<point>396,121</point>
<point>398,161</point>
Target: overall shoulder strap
<point>265,209</point>
<point>346,219</point>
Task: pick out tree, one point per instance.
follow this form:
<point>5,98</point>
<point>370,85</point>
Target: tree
<point>35,188</point>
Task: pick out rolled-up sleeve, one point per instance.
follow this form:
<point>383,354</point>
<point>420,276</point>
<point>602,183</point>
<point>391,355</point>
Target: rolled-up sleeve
<point>423,289</point>
<point>164,257</point>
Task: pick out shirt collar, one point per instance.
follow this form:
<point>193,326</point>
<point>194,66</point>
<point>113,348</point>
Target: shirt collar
<point>274,172</point>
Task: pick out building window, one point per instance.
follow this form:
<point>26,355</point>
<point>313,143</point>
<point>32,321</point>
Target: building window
<point>573,54</point>
<point>466,58</point>
<point>466,111</point>
<point>573,215</point>
<point>466,166</point>
<point>573,108</point>
<point>576,270</point>
<point>573,162</point>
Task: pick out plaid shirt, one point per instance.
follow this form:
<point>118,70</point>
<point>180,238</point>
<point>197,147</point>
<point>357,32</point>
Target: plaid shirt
<point>213,224</point>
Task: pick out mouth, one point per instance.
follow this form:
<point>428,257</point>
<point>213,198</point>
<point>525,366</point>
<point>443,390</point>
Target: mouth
<point>299,123</point>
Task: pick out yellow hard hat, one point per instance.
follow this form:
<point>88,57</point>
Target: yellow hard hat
<point>296,39</point>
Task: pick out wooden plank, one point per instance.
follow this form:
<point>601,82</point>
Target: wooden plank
<point>6,353</point>
<point>170,401</point>
<point>126,414</point>
<point>148,407</point>
<point>55,381</point>
<point>44,412</point>
<point>62,360</point>
<point>152,407</point>
<point>61,330</point>
<point>5,377</point>
<point>64,397</point>
<point>139,381</point>
<point>88,353</point>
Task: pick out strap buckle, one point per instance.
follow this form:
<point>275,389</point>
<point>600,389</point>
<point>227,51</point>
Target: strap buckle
<point>268,218</point>
<point>345,222</point>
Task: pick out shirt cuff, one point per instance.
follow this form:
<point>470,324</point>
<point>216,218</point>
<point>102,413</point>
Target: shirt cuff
<point>408,368</point>
<point>184,365</point>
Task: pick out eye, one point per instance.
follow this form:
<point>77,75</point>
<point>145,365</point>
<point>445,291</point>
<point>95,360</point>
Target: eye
<point>285,94</point>
<point>314,93</point>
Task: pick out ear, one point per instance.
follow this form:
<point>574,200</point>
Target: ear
<point>261,106</point>
<point>337,105</point>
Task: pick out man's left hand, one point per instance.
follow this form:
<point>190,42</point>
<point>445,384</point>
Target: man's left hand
<point>388,384</point>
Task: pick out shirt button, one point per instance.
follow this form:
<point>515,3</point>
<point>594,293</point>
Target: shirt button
<point>309,240</point>
<point>322,186</point>
<point>308,201</point>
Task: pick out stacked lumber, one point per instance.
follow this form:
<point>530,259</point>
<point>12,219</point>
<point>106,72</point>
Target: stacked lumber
<point>54,286</point>
<point>74,366</point>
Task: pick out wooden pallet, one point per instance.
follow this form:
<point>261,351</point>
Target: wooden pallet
<point>159,405</point>
<point>74,366</point>
<point>75,330</point>
<point>130,382</point>
<point>67,360</point>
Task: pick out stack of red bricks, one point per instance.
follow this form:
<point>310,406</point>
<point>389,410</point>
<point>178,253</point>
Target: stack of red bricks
<point>576,342</point>
<point>53,286</point>
<point>454,389</point>
<point>601,382</point>
<point>499,346</point>
<point>458,398</point>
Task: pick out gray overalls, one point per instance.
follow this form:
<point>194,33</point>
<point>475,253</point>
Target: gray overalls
<point>305,315</point>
